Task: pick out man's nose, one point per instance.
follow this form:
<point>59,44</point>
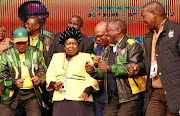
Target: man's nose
<point>71,45</point>
<point>72,25</point>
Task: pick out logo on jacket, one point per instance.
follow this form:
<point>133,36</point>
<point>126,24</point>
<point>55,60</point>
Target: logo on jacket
<point>171,33</point>
<point>123,51</point>
<point>20,33</point>
<point>47,48</point>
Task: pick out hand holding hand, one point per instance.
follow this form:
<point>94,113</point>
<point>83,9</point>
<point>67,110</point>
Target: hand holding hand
<point>102,65</point>
<point>96,59</point>
<point>133,69</point>
<point>89,67</point>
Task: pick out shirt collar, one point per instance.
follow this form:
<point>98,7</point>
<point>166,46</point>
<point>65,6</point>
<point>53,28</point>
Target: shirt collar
<point>115,46</point>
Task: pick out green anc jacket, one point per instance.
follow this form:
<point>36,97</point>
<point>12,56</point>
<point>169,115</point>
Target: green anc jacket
<point>10,71</point>
<point>129,87</point>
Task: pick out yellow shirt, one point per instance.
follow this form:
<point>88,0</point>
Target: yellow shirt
<point>27,84</point>
<point>34,41</point>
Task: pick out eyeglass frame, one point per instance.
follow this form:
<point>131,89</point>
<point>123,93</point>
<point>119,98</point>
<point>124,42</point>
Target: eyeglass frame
<point>100,36</point>
<point>30,24</point>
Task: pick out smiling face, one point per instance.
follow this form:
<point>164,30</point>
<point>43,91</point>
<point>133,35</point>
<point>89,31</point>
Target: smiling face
<point>21,46</point>
<point>101,37</point>
<point>30,25</point>
<point>99,34</point>
<point>149,19</point>
<point>104,40</point>
<point>71,46</point>
<point>112,33</point>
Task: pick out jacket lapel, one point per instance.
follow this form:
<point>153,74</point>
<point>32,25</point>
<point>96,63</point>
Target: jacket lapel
<point>122,44</point>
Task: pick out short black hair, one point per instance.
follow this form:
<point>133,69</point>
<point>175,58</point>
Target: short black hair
<point>155,6</point>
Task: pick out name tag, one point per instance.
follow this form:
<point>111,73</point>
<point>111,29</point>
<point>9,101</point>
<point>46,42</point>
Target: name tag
<point>153,71</point>
<point>63,87</point>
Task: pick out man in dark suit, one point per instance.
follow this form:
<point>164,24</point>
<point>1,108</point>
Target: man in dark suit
<point>86,44</point>
<point>162,61</point>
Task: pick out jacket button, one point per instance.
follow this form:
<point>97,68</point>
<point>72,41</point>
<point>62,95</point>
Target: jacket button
<point>160,73</point>
<point>165,92</point>
<point>156,54</point>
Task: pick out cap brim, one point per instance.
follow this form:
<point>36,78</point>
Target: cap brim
<point>21,39</point>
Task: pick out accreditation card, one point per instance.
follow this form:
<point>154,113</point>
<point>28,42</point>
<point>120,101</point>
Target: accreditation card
<point>153,70</point>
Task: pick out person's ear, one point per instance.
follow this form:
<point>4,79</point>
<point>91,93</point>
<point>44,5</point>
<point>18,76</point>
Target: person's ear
<point>38,26</point>
<point>154,14</point>
<point>119,30</point>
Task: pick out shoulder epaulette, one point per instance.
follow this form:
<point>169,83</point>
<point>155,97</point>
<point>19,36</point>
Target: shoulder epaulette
<point>131,41</point>
<point>47,33</point>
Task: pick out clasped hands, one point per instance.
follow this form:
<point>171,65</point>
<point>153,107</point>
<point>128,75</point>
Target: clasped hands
<point>133,69</point>
<point>102,65</point>
<point>35,80</point>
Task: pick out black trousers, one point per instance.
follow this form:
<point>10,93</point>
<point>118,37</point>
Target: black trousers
<point>28,101</point>
<point>131,108</point>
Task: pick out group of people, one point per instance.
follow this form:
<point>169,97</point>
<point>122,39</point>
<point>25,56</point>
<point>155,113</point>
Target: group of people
<point>61,77</point>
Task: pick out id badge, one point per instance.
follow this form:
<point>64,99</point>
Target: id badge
<point>63,87</point>
<point>153,71</point>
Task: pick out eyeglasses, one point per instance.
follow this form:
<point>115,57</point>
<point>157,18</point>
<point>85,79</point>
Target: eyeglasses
<point>99,36</point>
<point>29,24</point>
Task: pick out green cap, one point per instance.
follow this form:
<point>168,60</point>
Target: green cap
<point>20,35</point>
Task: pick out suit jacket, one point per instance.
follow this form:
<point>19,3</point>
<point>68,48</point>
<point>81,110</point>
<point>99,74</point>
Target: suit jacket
<point>86,46</point>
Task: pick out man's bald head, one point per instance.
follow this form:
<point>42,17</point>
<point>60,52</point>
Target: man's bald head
<point>156,7</point>
<point>99,31</point>
<point>101,26</point>
<point>100,34</point>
